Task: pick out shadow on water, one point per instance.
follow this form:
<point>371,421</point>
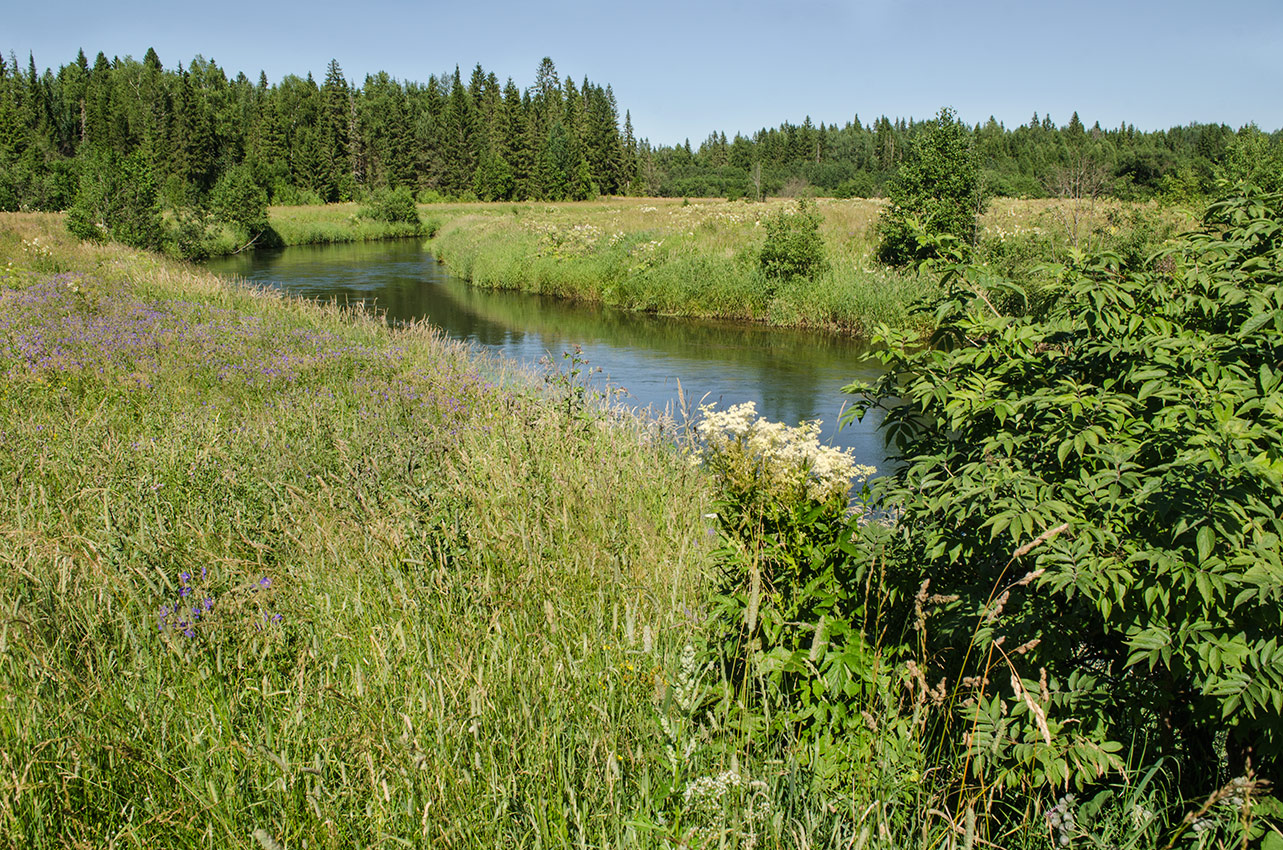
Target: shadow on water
<point>791,375</point>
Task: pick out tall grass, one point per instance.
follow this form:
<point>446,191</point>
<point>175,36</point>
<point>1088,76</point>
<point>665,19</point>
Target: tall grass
<point>325,224</point>
<point>700,258</point>
<point>697,259</point>
<point>432,607</point>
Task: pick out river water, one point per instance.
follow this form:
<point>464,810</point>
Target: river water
<point>790,375</point>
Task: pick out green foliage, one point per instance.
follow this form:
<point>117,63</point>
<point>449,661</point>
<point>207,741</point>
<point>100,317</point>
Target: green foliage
<point>794,247</point>
<point>492,180</point>
<point>394,206</point>
<point>862,185</point>
<point>789,624</point>
<point>117,201</point>
<point>238,200</point>
<point>937,191</point>
<point>1096,499</point>
<point>1253,158</point>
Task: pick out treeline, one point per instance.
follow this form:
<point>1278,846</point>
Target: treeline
<point>307,142</point>
<point>462,137</point>
<point>1037,159</point>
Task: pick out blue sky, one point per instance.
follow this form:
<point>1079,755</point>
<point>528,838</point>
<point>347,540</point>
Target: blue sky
<point>686,68</point>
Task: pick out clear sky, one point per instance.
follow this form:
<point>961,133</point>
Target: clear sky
<point>685,68</point>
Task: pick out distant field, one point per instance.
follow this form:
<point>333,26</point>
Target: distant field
<point>700,257</point>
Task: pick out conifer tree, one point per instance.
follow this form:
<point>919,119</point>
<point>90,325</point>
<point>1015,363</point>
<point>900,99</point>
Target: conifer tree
<point>458,126</point>
<point>335,135</point>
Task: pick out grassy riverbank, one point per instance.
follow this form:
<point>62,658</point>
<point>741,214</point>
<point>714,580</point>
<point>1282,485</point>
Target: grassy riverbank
<point>663,256</point>
<point>269,566</point>
<point>700,258</point>
<point>274,571</point>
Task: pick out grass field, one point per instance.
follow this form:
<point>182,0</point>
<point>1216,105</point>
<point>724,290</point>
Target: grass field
<point>270,566</point>
<point>700,257</point>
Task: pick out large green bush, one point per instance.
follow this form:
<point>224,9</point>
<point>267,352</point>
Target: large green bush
<point>238,200</point>
<point>117,200</point>
<point>794,247</point>
<point>937,191</point>
<point>394,206</point>
<point>1088,515</point>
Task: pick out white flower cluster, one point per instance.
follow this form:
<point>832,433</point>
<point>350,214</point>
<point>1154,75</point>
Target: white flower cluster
<point>704,802</point>
<point>564,241</point>
<point>33,248</point>
<point>785,461</point>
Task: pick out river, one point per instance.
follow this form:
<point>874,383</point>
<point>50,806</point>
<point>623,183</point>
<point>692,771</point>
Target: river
<point>791,375</point>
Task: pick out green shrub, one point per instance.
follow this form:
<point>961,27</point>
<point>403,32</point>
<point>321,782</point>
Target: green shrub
<point>861,185</point>
<point>116,200</point>
<point>794,247</point>
<point>394,206</point>
<point>238,200</point>
<point>937,191</point>
<point>1096,501</point>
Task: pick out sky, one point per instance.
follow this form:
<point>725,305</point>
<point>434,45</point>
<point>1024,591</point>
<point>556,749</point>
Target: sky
<point>686,68</point>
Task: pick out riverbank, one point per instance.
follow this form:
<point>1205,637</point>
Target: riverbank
<point>274,566</point>
<point>700,258</point>
<point>272,570</point>
<point>696,259</point>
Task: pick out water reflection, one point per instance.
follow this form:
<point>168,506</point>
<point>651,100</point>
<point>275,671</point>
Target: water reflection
<point>791,375</point>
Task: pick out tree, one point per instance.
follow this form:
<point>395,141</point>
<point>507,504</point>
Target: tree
<point>238,200</point>
<point>492,180</point>
<point>117,201</point>
<point>1102,488</point>
<point>937,191</point>
<point>1252,157</point>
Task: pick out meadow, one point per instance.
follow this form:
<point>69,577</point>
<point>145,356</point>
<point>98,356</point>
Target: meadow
<point>270,566</point>
<point>700,257</point>
<point>277,575</point>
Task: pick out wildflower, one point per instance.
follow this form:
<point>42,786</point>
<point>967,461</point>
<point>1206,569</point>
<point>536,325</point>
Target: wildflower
<point>782,462</point>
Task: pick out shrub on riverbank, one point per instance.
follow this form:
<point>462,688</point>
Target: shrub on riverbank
<point>393,206</point>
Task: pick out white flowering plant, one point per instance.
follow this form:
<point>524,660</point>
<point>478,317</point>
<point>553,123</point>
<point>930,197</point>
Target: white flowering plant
<point>772,464</point>
<point>786,630</point>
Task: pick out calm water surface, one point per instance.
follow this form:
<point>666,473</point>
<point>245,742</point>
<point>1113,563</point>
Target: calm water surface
<point>791,375</point>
